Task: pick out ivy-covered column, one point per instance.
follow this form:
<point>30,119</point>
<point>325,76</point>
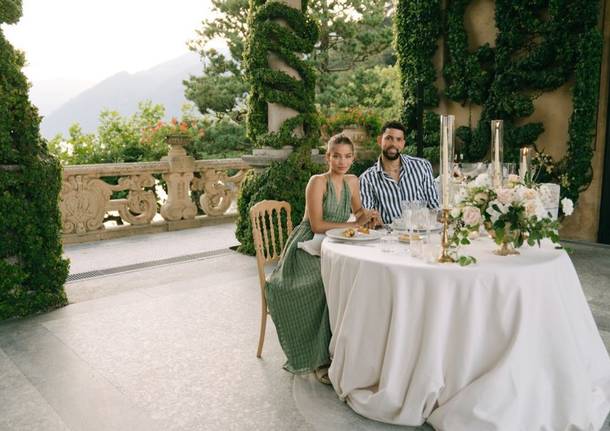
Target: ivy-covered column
<point>32,270</point>
<point>281,83</point>
<point>281,110</point>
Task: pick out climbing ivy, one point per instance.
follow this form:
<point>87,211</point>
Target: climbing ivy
<point>32,269</point>
<point>540,46</point>
<point>417,27</point>
<point>286,42</point>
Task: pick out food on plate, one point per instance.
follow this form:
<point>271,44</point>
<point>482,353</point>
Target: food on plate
<point>407,238</point>
<point>364,230</point>
<point>349,233</point>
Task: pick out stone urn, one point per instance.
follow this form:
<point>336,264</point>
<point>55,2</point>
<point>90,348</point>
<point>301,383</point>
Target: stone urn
<point>359,136</point>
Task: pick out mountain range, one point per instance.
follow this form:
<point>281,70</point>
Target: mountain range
<point>121,92</point>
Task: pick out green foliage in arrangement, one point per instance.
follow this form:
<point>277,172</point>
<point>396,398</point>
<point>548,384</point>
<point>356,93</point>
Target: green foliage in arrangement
<point>32,270</point>
<point>540,46</point>
<point>271,184</point>
<point>268,37</point>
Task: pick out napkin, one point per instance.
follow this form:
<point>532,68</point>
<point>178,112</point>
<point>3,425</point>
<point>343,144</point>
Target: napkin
<point>314,245</point>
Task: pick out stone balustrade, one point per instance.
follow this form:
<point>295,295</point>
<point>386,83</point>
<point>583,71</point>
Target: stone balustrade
<point>86,199</point>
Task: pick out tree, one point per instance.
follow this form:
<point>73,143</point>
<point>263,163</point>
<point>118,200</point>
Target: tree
<point>222,82</point>
<point>118,139</point>
<point>375,88</point>
<point>32,268</point>
<point>352,33</point>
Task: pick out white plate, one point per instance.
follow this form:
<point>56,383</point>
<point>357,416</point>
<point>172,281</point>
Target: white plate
<point>435,228</point>
<point>338,234</point>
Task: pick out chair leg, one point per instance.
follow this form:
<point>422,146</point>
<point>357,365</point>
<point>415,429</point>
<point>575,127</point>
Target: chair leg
<point>261,337</point>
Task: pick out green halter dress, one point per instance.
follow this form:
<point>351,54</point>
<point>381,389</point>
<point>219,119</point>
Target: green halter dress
<point>295,292</point>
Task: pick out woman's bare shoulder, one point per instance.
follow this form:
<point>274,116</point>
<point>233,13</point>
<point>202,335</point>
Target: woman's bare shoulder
<point>317,181</point>
<point>351,179</point>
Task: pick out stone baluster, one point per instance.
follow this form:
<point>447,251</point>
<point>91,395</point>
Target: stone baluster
<point>179,204</point>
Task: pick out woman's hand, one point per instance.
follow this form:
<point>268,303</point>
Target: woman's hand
<point>368,217</point>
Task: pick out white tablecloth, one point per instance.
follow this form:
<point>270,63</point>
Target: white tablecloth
<point>506,344</point>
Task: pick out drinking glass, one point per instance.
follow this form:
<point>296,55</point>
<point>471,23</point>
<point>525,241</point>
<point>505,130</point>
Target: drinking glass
<point>416,246</point>
<point>431,221</point>
<point>389,243</point>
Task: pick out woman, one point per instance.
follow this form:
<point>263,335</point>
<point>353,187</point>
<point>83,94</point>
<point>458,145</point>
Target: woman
<point>295,292</point>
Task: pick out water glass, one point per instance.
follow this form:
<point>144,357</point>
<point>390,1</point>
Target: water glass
<point>389,243</point>
<point>416,246</point>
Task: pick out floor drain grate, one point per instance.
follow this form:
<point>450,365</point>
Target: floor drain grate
<point>149,264</point>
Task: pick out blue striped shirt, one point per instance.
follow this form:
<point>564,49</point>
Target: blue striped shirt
<point>380,191</point>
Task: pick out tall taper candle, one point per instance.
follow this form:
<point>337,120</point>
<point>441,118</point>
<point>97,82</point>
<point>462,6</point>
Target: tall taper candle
<point>523,165</point>
<point>446,158</point>
<point>496,128</point>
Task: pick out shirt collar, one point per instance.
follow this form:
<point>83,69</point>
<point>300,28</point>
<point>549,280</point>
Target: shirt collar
<point>404,161</point>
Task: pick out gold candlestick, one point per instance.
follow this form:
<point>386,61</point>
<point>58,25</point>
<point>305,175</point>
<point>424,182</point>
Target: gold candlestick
<point>444,257</point>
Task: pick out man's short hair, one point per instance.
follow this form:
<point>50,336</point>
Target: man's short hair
<point>393,125</point>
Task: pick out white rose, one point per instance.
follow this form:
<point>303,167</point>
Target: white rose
<point>472,216</point>
<point>567,206</point>
<point>455,212</point>
<point>460,195</point>
<point>493,214</point>
<point>482,180</point>
<point>505,196</point>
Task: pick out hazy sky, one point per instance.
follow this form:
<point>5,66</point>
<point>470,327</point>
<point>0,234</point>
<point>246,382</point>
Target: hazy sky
<point>90,40</point>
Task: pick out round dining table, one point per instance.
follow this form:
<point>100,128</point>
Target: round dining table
<point>508,343</point>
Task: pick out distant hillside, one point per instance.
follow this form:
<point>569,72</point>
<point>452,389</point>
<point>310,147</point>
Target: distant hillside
<point>122,92</point>
<point>51,94</point>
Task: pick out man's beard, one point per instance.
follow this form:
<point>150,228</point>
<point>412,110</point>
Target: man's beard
<point>391,156</point>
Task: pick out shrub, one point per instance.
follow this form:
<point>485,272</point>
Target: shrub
<point>32,270</point>
<point>283,181</point>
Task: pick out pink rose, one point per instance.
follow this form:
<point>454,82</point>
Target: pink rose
<point>472,216</point>
<point>505,196</point>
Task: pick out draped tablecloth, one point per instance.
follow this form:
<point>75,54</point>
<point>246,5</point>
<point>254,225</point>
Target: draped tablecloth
<point>506,344</point>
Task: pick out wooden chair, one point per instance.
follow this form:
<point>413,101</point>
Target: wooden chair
<point>269,238</point>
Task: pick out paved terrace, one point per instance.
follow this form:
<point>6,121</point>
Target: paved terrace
<point>161,334</point>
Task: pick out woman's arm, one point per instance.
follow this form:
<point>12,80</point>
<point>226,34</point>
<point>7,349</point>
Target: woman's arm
<point>363,215</point>
<point>314,194</point>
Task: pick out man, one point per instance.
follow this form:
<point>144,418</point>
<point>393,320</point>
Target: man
<point>395,177</point>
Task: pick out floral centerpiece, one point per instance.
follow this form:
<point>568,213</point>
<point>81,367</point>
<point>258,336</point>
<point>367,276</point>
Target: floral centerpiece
<point>513,214</point>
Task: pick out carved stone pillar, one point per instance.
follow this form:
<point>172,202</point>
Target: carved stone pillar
<point>179,204</point>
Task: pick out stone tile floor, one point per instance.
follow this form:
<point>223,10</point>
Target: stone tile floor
<point>172,347</point>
